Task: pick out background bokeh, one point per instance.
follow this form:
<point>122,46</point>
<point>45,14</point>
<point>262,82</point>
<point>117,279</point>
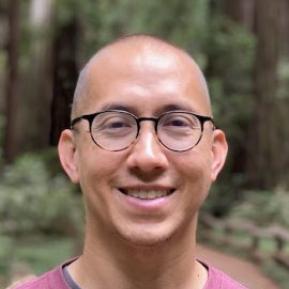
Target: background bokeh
<point>243,48</point>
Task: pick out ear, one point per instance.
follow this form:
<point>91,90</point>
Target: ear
<point>219,152</point>
<point>68,155</point>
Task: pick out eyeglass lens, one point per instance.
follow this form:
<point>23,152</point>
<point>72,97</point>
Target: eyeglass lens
<point>117,130</point>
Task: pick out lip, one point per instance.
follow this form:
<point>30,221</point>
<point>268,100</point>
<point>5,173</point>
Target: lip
<point>159,190</point>
<point>146,205</point>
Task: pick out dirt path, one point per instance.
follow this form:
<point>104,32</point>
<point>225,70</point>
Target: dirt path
<point>243,271</point>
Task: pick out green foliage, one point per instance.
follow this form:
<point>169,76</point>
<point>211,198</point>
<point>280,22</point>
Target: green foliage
<point>230,51</point>
<point>224,195</point>
<point>1,138</point>
<point>42,253</point>
<point>32,200</point>
<point>231,55</point>
<point>179,21</point>
<point>34,254</point>
<point>6,249</point>
<point>283,73</point>
<point>264,208</point>
<point>277,273</point>
<point>65,10</point>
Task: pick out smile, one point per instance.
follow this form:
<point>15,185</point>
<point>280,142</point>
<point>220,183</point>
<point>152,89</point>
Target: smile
<point>147,194</point>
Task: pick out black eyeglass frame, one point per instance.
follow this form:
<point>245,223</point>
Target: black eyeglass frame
<point>90,117</point>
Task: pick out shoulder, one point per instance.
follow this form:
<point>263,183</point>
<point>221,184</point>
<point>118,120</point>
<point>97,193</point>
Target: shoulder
<point>50,280</point>
<point>35,283</point>
<point>219,280</point>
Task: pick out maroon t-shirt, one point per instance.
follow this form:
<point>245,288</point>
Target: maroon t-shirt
<point>55,279</point>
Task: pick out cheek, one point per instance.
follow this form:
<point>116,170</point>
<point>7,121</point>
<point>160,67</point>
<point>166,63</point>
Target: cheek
<point>195,171</point>
<point>97,176</point>
<point>97,168</point>
<point>194,163</point>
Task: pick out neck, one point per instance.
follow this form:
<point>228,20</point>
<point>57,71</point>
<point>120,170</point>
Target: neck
<point>116,263</point>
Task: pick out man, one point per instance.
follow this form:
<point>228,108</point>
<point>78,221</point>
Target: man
<point>145,151</point>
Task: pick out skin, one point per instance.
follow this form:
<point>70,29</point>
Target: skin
<point>131,243</point>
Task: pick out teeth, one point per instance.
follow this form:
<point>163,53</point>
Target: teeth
<point>147,195</point>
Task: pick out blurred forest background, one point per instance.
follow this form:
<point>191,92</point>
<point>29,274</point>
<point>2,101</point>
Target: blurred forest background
<point>243,49</point>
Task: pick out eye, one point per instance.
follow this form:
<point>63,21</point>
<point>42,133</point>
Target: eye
<point>113,124</point>
<point>177,122</point>
<point>116,124</point>
<point>180,121</point>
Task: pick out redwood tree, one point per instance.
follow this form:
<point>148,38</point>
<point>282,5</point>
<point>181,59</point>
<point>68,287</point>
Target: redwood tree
<point>10,139</point>
<point>263,141</point>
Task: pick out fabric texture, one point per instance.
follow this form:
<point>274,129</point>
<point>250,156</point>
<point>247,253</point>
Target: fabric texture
<point>219,280</point>
<point>55,279</point>
<point>71,283</point>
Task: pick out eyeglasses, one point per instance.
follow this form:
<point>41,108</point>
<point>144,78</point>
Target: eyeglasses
<point>116,130</point>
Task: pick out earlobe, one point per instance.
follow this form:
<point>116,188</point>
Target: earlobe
<point>219,153</point>
<point>68,155</point>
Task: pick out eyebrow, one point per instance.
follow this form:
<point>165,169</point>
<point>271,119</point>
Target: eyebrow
<point>118,106</point>
<point>175,107</point>
<point>135,111</point>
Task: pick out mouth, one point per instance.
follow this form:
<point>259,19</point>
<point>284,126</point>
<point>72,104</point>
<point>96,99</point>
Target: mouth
<point>147,194</point>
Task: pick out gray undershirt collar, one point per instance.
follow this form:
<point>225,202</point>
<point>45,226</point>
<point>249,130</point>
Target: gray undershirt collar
<point>71,283</point>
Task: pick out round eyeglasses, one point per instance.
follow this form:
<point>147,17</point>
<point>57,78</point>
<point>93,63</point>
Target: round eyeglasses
<point>116,130</point>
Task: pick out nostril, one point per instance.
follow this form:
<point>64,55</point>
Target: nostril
<point>147,156</point>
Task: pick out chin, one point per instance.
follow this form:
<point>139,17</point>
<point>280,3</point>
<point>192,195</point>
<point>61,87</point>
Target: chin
<point>157,233</point>
<point>146,241</point>
<point>147,237</point>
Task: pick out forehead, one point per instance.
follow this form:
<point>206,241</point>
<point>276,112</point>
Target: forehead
<point>143,77</point>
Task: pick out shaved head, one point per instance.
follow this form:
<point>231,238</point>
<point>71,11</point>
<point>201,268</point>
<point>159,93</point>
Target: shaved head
<point>139,50</point>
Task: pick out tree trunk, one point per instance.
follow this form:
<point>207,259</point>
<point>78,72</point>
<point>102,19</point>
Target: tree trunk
<point>65,74</point>
<point>283,97</point>
<point>241,11</point>
<point>36,86</point>
<point>284,23</point>
<point>263,150</point>
<point>3,66</point>
<point>10,140</point>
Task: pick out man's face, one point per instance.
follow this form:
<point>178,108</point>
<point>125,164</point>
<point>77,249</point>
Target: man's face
<point>111,181</point>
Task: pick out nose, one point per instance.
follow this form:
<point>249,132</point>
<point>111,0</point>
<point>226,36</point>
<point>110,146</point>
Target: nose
<point>147,157</point>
